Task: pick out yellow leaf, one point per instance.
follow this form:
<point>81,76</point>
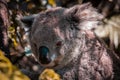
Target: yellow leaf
<point>49,74</point>
<point>5,64</point>
<point>52,2</point>
<point>3,77</point>
<point>8,71</point>
<point>15,42</point>
<point>30,6</point>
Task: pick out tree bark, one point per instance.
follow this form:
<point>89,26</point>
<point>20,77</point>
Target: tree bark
<point>4,24</point>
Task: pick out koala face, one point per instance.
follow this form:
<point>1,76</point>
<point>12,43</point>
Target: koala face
<point>56,36</point>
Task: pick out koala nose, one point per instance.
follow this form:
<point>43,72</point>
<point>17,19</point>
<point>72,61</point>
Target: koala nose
<point>43,55</point>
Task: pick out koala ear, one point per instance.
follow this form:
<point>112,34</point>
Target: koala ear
<point>84,14</point>
<point>28,20</point>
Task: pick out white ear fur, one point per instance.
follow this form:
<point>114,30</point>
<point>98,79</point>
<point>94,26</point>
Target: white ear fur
<point>86,15</point>
<point>85,11</point>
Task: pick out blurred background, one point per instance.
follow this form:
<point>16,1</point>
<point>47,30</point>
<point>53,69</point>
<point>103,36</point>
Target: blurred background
<point>14,41</point>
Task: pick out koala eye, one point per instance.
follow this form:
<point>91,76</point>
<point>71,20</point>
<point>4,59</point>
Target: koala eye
<point>43,55</point>
<point>59,43</point>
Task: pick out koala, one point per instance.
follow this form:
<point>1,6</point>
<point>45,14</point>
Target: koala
<point>63,39</point>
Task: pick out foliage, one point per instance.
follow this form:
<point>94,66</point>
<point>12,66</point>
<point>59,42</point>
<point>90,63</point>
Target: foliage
<point>49,74</point>
<point>8,71</point>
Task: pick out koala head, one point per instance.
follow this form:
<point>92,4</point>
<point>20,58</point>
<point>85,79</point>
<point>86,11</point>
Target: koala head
<point>56,37</point>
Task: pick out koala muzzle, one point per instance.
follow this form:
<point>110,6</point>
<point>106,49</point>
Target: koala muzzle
<point>43,55</point>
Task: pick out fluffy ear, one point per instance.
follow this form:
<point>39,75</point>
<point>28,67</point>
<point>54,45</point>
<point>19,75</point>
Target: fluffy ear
<point>83,13</point>
<point>28,20</point>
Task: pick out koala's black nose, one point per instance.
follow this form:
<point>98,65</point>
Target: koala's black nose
<point>43,55</point>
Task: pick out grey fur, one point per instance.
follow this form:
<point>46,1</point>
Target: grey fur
<point>81,56</point>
